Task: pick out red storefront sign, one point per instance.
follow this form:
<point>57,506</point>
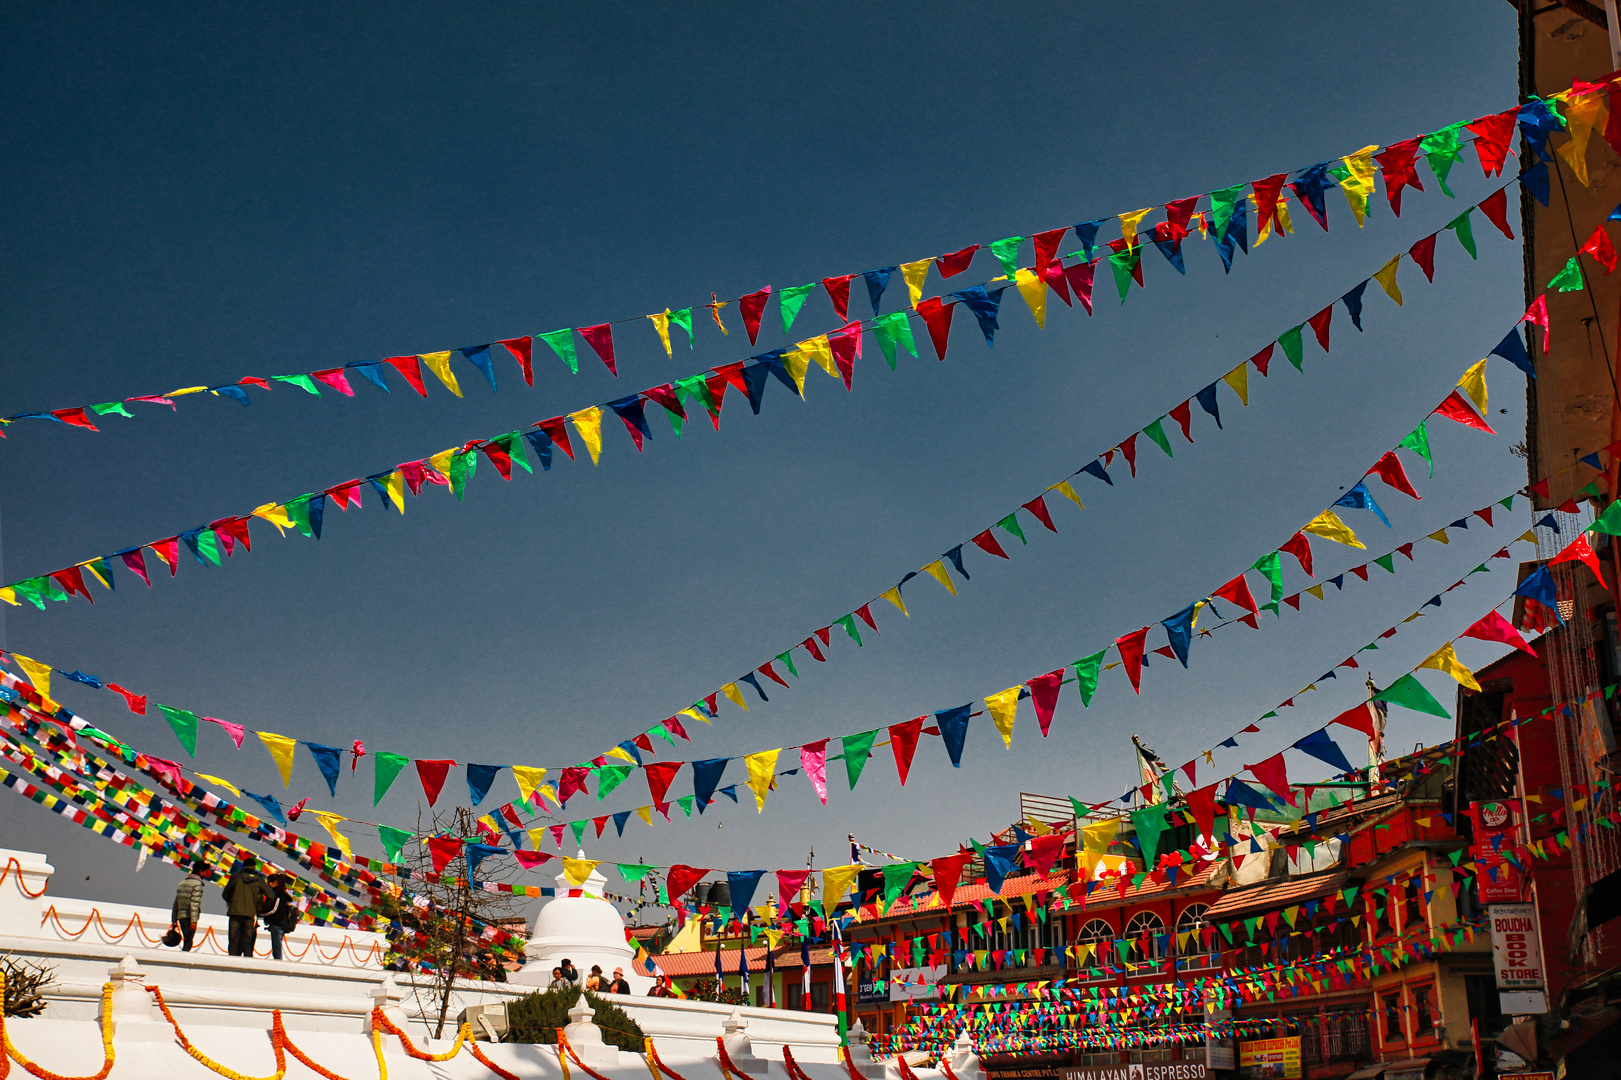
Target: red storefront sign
<point>1494,823</point>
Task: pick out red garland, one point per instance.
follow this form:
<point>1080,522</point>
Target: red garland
<point>562,1041</point>
<point>844,1052</point>
<point>905,1069</point>
<point>794,1071</point>
<point>652,1052</point>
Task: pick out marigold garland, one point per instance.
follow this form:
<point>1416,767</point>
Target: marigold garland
<point>12,1053</point>
<point>788,1062</point>
<point>277,1038</point>
<point>905,1069</point>
<point>568,1048</point>
<point>850,1066</point>
<point>653,1053</point>
<point>381,1022</point>
<point>945,1067</point>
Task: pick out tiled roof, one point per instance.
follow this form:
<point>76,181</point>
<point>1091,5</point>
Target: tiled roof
<point>1269,896</point>
<point>690,964</point>
<point>1107,893</point>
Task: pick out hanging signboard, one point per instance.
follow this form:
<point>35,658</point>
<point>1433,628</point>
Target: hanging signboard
<point>1271,1059</point>
<point>1517,959</point>
<point>1497,879</point>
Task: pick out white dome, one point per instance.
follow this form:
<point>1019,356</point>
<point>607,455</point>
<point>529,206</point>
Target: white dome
<point>583,928</point>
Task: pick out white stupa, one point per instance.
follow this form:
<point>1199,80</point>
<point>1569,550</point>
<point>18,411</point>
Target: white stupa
<point>582,927</point>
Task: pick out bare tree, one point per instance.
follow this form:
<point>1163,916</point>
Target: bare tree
<point>442,942</point>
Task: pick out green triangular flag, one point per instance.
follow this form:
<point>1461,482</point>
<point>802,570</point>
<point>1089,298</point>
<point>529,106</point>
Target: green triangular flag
<point>562,343</point>
<point>299,380</point>
<point>1289,340</point>
<point>461,471</point>
<point>889,329</point>
<point>1124,264</point>
<point>1149,822</point>
<point>610,777</point>
<point>1011,524</point>
<point>683,319</point>
<point>849,624</point>
<point>895,879</point>
<point>1570,278</point>
<point>1418,441</point>
<point>793,298</point>
<point>685,802</point>
<point>579,830</point>
<point>393,841</point>
<point>298,511</point>
<point>856,749</point>
<point>1409,693</point>
<point>185,727</point>
<point>1466,234</point>
<point>208,546</point>
<point>1273,569</point>
<point>111,407</point>
<point>1388,562</point>
<point>634,872</point>
<point>1508,503</point>
<point>1441,149</point>
<point>787,659</point>
<point>662,732</point>
<point>385,767</point>
<point>1156,431</point>
<point>1007,252</point>
<point>1086,677</point>
<point>1222,204</point>
<point>1608,522</point>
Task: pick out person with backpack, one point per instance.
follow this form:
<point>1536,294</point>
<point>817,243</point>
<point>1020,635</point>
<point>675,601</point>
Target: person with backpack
<point>246,896</point>
<point>187,910</point>
<point>282,917</point>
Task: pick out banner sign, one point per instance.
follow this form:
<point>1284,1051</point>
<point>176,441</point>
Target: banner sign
<point>1497,879</point>
<point>1516,947</point>
<point>1271,1059</point>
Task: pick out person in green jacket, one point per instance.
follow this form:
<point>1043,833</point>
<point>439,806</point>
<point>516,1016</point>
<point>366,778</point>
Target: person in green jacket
<point>187,910</point>
<point>246,895</point>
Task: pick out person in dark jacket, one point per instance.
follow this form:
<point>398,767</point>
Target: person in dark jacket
<point>281,918</point>
<point>187,910</point>
<point>619,985</point>
<point>246,895</point>
<point>570,972</point>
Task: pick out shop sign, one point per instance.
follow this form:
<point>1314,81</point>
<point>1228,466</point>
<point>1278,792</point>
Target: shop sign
<point>1497,880</point>
<point>1271,1059</point>
<point>871,990</point>
<point>1516,947</point>
<point>1150,1070</point>
<point>916,984</point>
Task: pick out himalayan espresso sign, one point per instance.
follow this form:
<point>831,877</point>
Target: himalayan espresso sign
<point>1142,1070</point>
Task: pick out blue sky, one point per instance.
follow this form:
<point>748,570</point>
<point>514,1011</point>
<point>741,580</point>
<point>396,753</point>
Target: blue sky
<point>198,197</point>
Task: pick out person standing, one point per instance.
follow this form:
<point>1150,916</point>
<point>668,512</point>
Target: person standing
<point>619,985</point>
<point>558,982</point>
<point>282,916</point>
<point>594,981</point>
<point>570,972</point>
<point>246,895</point>
<point>187,910</point>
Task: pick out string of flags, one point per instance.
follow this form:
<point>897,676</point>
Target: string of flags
<point>1584,107</point>
<point>211,543</point>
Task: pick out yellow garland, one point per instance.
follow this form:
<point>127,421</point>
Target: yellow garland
<point>12,1053</point>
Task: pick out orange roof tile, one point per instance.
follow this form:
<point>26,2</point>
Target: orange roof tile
<point>967,894</point>
<point>1107,894</point>
<point>691,964</point>
<point>1270,896</point>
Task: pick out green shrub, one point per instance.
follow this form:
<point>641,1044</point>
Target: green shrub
<point>535,1018</point>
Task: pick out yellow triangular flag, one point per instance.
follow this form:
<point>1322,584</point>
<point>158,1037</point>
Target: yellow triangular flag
<point>915,274</point>
<point>439,364</point>
<point>329,821</point>
<point>186,390</point>
<point>1063,488</point>
<point>1444,659</point>
<point>440,462</point>
<point>1386,277</point>
<point>796,364</point>
<point>577,870</point>
<point>276,514</point>
<point>1440,536</point>
<point>762,767</point>
<point>226,784</point>
<point>937,570</point>
<point>394,484</point>
<point>39,674</point>
<point>1128,226</point>
<point>1239,380</point>
<point>836,882</point>
<point>1316,590</point>
<point>535,837</point>
<point>622,754</point>
<point>528,778</point>
<point>281,749</point>
<point>1281,216</point>
<point>736,695</point>
<point>1358,183</point>
<point>1529,534</point>
<point>1414,615</point>
<point>1034,291</point>
<point>1583,113</point>
<point>547,791</point>
<point>1004,708</point>
<point>588,422</point>
<point>894,597</point>
<point>696,715</point>
<point>646,814</point>
<point>1473,383</point>
<point>9,595</point>
<point>1329,526</point>
<point>819,350</point>
<point>661,323</point>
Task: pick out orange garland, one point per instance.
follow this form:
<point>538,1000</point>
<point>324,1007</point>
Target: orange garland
<point>788,1062</point>
<point>945,1067</point>
<point>12,1053</point>
<point>568,1048</point>
<point>905,1069</point>
<point>278,1038</point>
<point>381,1022</point>
<point>844,1055</point>
<point>653,1053</point>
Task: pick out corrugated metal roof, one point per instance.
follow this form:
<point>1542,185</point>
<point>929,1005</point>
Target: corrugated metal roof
<point>1269,896</point>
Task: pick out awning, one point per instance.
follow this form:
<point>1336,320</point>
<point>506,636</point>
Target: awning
<point>1366,1074</point>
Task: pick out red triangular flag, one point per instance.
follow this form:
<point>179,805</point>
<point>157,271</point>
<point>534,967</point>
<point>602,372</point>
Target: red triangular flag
<point>167,550</point>
<point>660,774</point>
<point>557,431</point>
<point>1047,245</point>
<point>1079,277</point>
<point>1300,548</point>
<point>1579,550</point>
<point>1274,775</point>
<point>771,673</point>
<point>1423,253</point>
<point>947,872</point>
<point>681,878</point>
<point>75,418</point>
<point>1266,200</point>
<point>1495,207</point>
<point>1044,696</point>
<point>1131,654</point>
<point>838,290</point>
<point>432,774</point>
<point>601,340</point>
<point>1129,450</point>
<point>1319,325</point>
<point>1398,163</point>
<point>1598,245</point>
<point>335,378</point>
<point>1496,628</point>
<point>1053,275</point>
<point>751,307</point>
<point>1238,591</point>
<point>986,542</point>
<point>903,744</point>
<point>1038,509</point>
<point>1183,415</point>
<point>1537,315</point>
<point>846,346</point>
<point>937,317</point>
<point>522,350</point>
<point>1202,805</point>
<point>955,263</point>
<point>1456,408</point>
<point>864,613</point>
<point>1360,718</point>
<point>1492,138</point>
<point>410,368</point>
<point>1389,469</point>
<point>1262,359</point>
<point>443,849</point>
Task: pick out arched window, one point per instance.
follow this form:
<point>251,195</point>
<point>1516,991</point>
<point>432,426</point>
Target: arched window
<point>1146,932</point>
<point>1101,937</point>
<point>1192,922</point>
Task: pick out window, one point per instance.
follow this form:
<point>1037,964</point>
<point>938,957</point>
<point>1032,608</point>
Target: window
<point>1412,894</point>
<point>1191,921</point>
<point>819,997</point>
<point>1140,1056</point>
<point>1100,936</point>
<point>1146,932</point>
<point>1028,931</point>
<point>1108,1057</point>
<point>1423,1012</point>
<point>1392,1007</point>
